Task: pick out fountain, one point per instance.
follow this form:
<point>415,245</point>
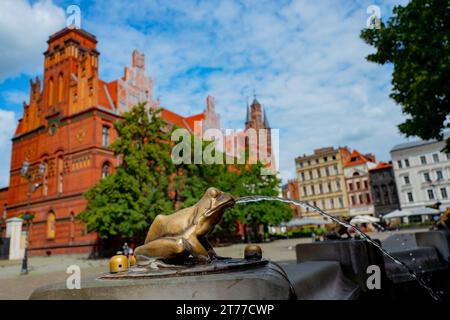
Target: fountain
<point>176,261</point>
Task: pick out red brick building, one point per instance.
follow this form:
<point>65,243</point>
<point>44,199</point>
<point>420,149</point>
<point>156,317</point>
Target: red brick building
<point>67,127</point>
<point>256,138</point>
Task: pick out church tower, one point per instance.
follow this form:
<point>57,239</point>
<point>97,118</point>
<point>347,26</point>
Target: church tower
<point>70,72</point>
<point>257,120</point>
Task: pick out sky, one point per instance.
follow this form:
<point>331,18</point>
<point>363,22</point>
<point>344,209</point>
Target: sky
<point>303,59</point>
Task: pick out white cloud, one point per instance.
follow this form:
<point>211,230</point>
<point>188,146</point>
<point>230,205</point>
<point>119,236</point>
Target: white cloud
<point>15,96</point>
<point>7,127</point>
<point>24,30</point>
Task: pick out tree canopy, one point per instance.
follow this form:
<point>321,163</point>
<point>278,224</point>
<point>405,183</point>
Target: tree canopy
<point>415,40</point>
<point>125,202</point>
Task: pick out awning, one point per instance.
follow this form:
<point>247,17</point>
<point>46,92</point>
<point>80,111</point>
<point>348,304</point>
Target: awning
<point>364,219</point>
<point>426,210</point>
<point>412,212</point>
<point>397,214</point>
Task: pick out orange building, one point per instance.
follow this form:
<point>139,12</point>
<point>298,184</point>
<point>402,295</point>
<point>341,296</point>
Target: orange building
<point>66,128</point>
<point>357,179</point>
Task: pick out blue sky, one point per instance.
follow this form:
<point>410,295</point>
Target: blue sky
<point>304,59</point>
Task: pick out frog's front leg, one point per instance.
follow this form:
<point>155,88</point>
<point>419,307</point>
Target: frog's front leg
<point>196,249</point>
<point>211,252</point>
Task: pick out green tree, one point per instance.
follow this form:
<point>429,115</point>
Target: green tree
<point>416,41</point>
<point>126,202</point>
<point>238,180</point>
<point>251,182</point>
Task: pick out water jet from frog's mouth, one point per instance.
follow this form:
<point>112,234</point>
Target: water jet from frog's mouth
<point>364,236</point>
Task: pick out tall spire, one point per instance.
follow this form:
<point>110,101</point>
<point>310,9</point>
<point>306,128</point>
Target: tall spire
<point>266,121</point>
<point>249,116</point>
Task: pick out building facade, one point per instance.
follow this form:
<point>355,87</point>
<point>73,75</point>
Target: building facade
<point>384,190</point>
<point>65,131</point>
<point>422,174</point>
<point>321,181</point>
<point>290,191</point>
<point>256,139</point>
<point>357,181</point>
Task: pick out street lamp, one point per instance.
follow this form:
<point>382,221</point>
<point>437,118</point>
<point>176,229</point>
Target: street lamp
<point>28,216</point>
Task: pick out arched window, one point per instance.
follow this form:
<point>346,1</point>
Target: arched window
<point>51,88</point>
<point>51,225</point>
<point>60,87</point>
<point>106,169</point>
<point>355,174</point>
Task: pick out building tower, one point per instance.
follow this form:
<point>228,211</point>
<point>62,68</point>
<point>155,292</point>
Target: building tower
<point>257,120</point>
<point>66,128</point>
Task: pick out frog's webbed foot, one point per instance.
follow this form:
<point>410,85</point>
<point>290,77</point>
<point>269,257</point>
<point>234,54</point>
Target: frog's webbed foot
<point>198,257</point>
<point>211,252</point>
<point>154,263</point>
<point>213,255</point>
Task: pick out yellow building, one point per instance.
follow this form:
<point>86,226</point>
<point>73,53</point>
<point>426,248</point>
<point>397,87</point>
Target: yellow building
<point>321,180</point>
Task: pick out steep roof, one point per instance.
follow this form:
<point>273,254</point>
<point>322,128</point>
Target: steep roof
<point>107,94</point>
<point>173,118</point>
<point>196,117</point>
<point>382,165</point>
<point>356,158</point>
<point>417,143</point>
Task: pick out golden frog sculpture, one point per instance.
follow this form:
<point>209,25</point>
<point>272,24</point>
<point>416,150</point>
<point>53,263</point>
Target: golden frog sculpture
<point>177,236</point>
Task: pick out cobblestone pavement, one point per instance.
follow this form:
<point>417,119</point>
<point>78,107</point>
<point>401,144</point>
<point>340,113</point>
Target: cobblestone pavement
<point>48,270</point>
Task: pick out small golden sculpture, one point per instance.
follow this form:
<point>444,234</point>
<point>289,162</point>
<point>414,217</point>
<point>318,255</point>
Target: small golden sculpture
<point>177,236</point>
<point>253,252</point>
<point>118,263</point>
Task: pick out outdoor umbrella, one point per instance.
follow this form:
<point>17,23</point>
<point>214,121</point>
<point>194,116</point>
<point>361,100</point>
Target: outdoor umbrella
<point>364,219</point>
<point>397,214</point>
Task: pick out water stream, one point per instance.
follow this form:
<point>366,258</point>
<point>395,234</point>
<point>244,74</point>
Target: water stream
<point>364,236</point>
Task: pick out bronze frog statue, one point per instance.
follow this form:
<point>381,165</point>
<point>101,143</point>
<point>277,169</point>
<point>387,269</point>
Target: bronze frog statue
<point>173,238</point>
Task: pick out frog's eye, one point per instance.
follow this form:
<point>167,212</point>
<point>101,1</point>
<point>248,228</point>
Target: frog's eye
<point>213,193</point>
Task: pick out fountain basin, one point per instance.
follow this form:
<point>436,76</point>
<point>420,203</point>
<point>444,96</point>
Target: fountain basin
<point>261,280</point>
<point>321,280</point>
<point>420,260</point>
<point>354,257</point>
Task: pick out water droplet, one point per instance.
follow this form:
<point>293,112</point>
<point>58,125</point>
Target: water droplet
<point>403,243</point>
<point>410,254</point>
